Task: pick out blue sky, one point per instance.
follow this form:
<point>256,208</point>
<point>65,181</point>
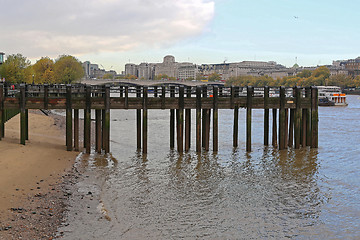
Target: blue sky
<point>114,32</point>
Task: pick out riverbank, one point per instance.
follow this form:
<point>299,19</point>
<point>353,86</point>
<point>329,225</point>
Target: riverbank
<point>33,178</point>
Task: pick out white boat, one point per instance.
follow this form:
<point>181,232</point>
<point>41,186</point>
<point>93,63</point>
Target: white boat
<point>331,96</point>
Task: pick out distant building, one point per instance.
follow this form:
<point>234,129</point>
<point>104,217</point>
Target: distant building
<point>131,69</point>
<point>2,57</point>
<point>90,69</point>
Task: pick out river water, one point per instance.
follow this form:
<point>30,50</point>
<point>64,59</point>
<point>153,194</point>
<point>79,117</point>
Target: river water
<point>265,194</point>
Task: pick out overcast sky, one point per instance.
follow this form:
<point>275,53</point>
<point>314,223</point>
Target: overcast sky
<point>115,32</point>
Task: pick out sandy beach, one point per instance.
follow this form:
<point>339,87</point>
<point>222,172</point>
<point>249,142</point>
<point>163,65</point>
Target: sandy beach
<point>32,178</point>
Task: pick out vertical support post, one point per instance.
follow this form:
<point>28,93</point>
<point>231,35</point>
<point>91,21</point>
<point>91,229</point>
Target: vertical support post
<point>26,115</point>
<point>76,129</point>
<point>215,120</point>
<point>188,123</point>
<point>98,130</point>
<point>198,119</point>
<point>163,93</point>
<point>68,118</point>
<point>145,119</point>
<point>314,117</point>
<point>138,120</point>
<point>126,97</point>
<point>274,128</point>
<point>155,91</point>
<point>266,116</point>
<point>87,119</point>
<point>297,122</point>
<point>22,115</point>
<point>180,116</point>
<point>236,116</point>
<point>204,117</point>
<point>107,119</point>
<point>308,118</point>
<point>291,128</point>
<point>121,91</point>
<point>286,127</point>
<point>282,118</point>
<point>2,125</point>
<point>250,91</point>
<point>172,120</point>
<point>46,96</point>
<point>207,129</point>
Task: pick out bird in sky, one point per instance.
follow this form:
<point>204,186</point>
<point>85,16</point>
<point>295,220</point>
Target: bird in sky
<point>296,17</point>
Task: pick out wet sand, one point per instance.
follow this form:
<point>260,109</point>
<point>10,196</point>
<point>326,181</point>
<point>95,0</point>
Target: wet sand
<point>33,178</point>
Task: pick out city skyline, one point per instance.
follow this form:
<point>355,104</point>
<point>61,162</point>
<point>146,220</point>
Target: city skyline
<point>113,33</point>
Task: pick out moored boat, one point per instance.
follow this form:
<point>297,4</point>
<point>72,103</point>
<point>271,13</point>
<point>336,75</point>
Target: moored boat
<point>331,96</point>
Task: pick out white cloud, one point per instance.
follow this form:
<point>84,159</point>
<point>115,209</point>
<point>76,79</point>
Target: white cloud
<point>48,28</point>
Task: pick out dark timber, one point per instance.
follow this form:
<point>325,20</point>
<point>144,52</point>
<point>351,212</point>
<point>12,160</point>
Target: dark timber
<point>300,128</point>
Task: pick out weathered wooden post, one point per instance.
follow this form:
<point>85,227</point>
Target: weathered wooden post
<point>138,120</point>
<point>215,120</point>
<point>236,116</point>
<point>87,119</point>
<point>204,117</point>
<point>303,123</point>
<point>180,118</point>
<point>314,117</point>
<point>188,123</point>
<point>198,119</point>
<point>274,128</point>
<point>155,91</point>
<point>145,119</point>
<point>26,114</point>
<point>172,120</point>
<point>22,102</point>
<point>291,128</point>
<point>297,120</point>
<point>308,117</point>
<point>2,125</point>
<point>98,135</point>
<point>76,129</point>
<point>126,97</point>
<point>46,96</point>
<point>163,94</point>
<point>250,91</point>
<point>121,90</point>
<point>282,119</point>
<point>266,116</point>
<point>68,118</point>
<point>107,119</point>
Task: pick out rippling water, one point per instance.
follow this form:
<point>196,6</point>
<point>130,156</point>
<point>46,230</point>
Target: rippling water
<point>300,194</point>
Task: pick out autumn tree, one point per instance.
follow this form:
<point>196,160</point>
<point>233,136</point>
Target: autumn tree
<point>44,71</point>
<point>67,69</point>
<point>16,69</point>
<point>214,77</point>
<point>108,76</point>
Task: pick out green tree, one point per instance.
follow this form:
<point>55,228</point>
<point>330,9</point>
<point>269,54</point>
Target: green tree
<point>68,69</point>
<point>14,68</point>
<point>214,77</point>
<point>129,76</point>
<point>304,74</point>
<point>44,71</point>
<point>108,76</point>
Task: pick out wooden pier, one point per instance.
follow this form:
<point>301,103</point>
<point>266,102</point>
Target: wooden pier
<point>295,116</point>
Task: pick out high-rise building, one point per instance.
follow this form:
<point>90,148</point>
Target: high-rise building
<point>2,58</point>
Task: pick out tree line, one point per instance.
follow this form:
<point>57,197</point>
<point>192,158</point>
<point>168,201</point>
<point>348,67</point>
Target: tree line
<point>64,69</point>
<point>319,77</point>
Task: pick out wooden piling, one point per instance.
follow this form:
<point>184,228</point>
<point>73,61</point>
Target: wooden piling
<point>22,101</point>
<point>282,118</point>
<point>26,115</point>
<point>180,120</point>
<point>250,91</point>
<point>126,97</point>
<point>266,116</point>
<point>69,136</point>
<point>204,118</point>
<point>308,118</point>
<point>138,120</point>
<point>188,123</point>
<point>121,91</point>
<point>274,128</point>
<point>76,129</point>
<point>198,119</point>
<point>87,119</point>
<point>236,116</point>
<point>98,135</point>
<point>314,117</point>
<point>145,119</point>
<point>46,96</point>
<point>172,120</point>
<point>207,130</point>
<point>163,95</point>
<point>297,120</point>
<point>155,91</point>
<point>215,120</point>
<point>291,128</point>
<point>107,120</point>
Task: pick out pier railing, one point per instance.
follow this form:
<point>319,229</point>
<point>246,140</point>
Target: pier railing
<point>297,123</point>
